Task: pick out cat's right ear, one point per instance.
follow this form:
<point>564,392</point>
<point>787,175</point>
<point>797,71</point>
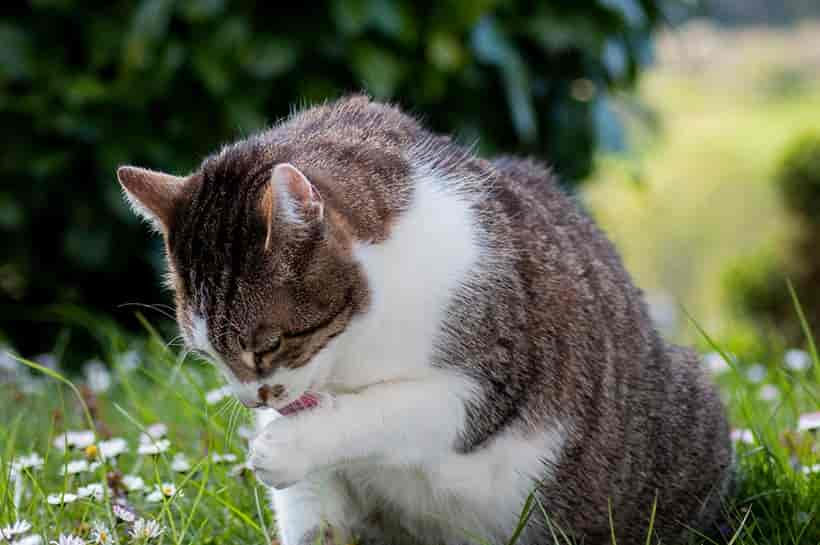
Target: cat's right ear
<point>153,195</point>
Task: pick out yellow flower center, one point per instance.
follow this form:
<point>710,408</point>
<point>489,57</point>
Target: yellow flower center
<point>91,451</point>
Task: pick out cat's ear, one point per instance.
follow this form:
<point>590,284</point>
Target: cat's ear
<point>291,197</point>
<point>153,195</point>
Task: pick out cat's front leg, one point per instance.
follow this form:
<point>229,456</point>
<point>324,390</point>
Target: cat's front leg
<point>401,422</point>
<point>314,510</point>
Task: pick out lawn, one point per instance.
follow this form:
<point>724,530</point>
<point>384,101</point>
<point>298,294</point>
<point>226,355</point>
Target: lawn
<point>153,450</point>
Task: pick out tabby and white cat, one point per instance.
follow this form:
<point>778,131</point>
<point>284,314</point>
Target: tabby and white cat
<point>440,335</point>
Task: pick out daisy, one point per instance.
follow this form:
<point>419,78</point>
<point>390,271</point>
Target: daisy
<point>222,458</point>
<point>133,482</point>
<point>240,469</point>
<point>61,499</point>
<point>215,396</point>
<point>808,422</point>
<point>165,490</point>
<point>113,447</point>
<point>716,363</point>
<point>145,530</point>
<point>756,373</point>
<point>74,439</point>
<point>807,470</point>
<point>768,392</point>
<point>743,436</point>
<point>129,360</point>
<point>244,432</point>
<point>100,534</point>
<point>32,539</point>
<point>154,448</point>
<point>31,461</point>
<point>97,376</point>
<point>153,432</point>
<point>123,513</point>
<point>19,527</point>
<point>75,466</point>
<point>180,463</point>
<point>797,360</point>
<point>95,491</point>
<point>67,539</point>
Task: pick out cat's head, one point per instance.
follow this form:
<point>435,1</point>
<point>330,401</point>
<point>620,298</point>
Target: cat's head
<point>261,267</point>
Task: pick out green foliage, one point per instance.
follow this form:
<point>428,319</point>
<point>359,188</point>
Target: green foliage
<point>756,285</point>
<point>87,86</point>
<point>219,501</point>
<point>798,177</point>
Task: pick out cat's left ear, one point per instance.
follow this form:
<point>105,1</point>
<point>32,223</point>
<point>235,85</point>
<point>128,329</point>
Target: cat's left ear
<point>153,195</point>
<point>290,197</point>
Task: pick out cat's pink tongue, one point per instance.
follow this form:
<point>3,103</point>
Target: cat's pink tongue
<point>307,401</point>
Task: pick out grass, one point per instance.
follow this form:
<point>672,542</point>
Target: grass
<point>778,501</point>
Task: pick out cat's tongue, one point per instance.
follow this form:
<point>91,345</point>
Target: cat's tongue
<point>307,401</point>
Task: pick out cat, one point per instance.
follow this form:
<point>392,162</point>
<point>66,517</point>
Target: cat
<point>441,335</point>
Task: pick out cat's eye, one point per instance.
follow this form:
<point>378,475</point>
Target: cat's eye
<point>273,345</point>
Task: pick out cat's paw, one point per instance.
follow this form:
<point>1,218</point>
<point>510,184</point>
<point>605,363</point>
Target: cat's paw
<point>278,456</point>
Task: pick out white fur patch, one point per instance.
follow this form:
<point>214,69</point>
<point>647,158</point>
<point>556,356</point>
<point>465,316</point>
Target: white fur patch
<point>394,421</point>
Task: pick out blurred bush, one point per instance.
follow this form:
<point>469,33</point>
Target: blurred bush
<point>756,286</point>
<point>88,85</point>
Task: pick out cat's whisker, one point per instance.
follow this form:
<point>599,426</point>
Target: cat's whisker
<point>164,310</point>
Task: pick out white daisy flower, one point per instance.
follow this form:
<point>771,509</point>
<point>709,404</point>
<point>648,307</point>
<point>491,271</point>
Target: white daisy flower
<point>164,490</point>
<point>101,535</point>
<point>47,360</point>
<point>797,360</point>
<point>756,373</point>
<point>67,539</point>
<point>129,360</point>
<point>95,491</point>
<point>716,363</point>
<point>808,422</point>
<point>154,448</point>
<point>122,513</point>
<point>154,496</point>
<point>113,447</point>
<point>75,466</point>
<point>61,499</point>
<point>133,482</point>
<point>19,527</point>
<point>180,463</point>
<point>740,435</point>
<point>145,529</point>
<point>154,432</point>
<point>33,539</point>
<point>768,392</point>
<point>215,396</point>
<point>7,362</point>
<point>97,376</point>
<point>808,470</point>
<point>218,458</point>
<point>74,439</point>
<point>246,433</point>
<point>239,469</point>
<point>29,461</point>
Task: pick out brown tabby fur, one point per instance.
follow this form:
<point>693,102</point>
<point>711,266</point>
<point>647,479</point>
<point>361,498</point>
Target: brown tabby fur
<point>555,331</point>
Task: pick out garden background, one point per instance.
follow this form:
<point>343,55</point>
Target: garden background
<point>690,130</point>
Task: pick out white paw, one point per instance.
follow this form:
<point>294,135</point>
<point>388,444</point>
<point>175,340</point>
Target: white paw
<point>277,455</point>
